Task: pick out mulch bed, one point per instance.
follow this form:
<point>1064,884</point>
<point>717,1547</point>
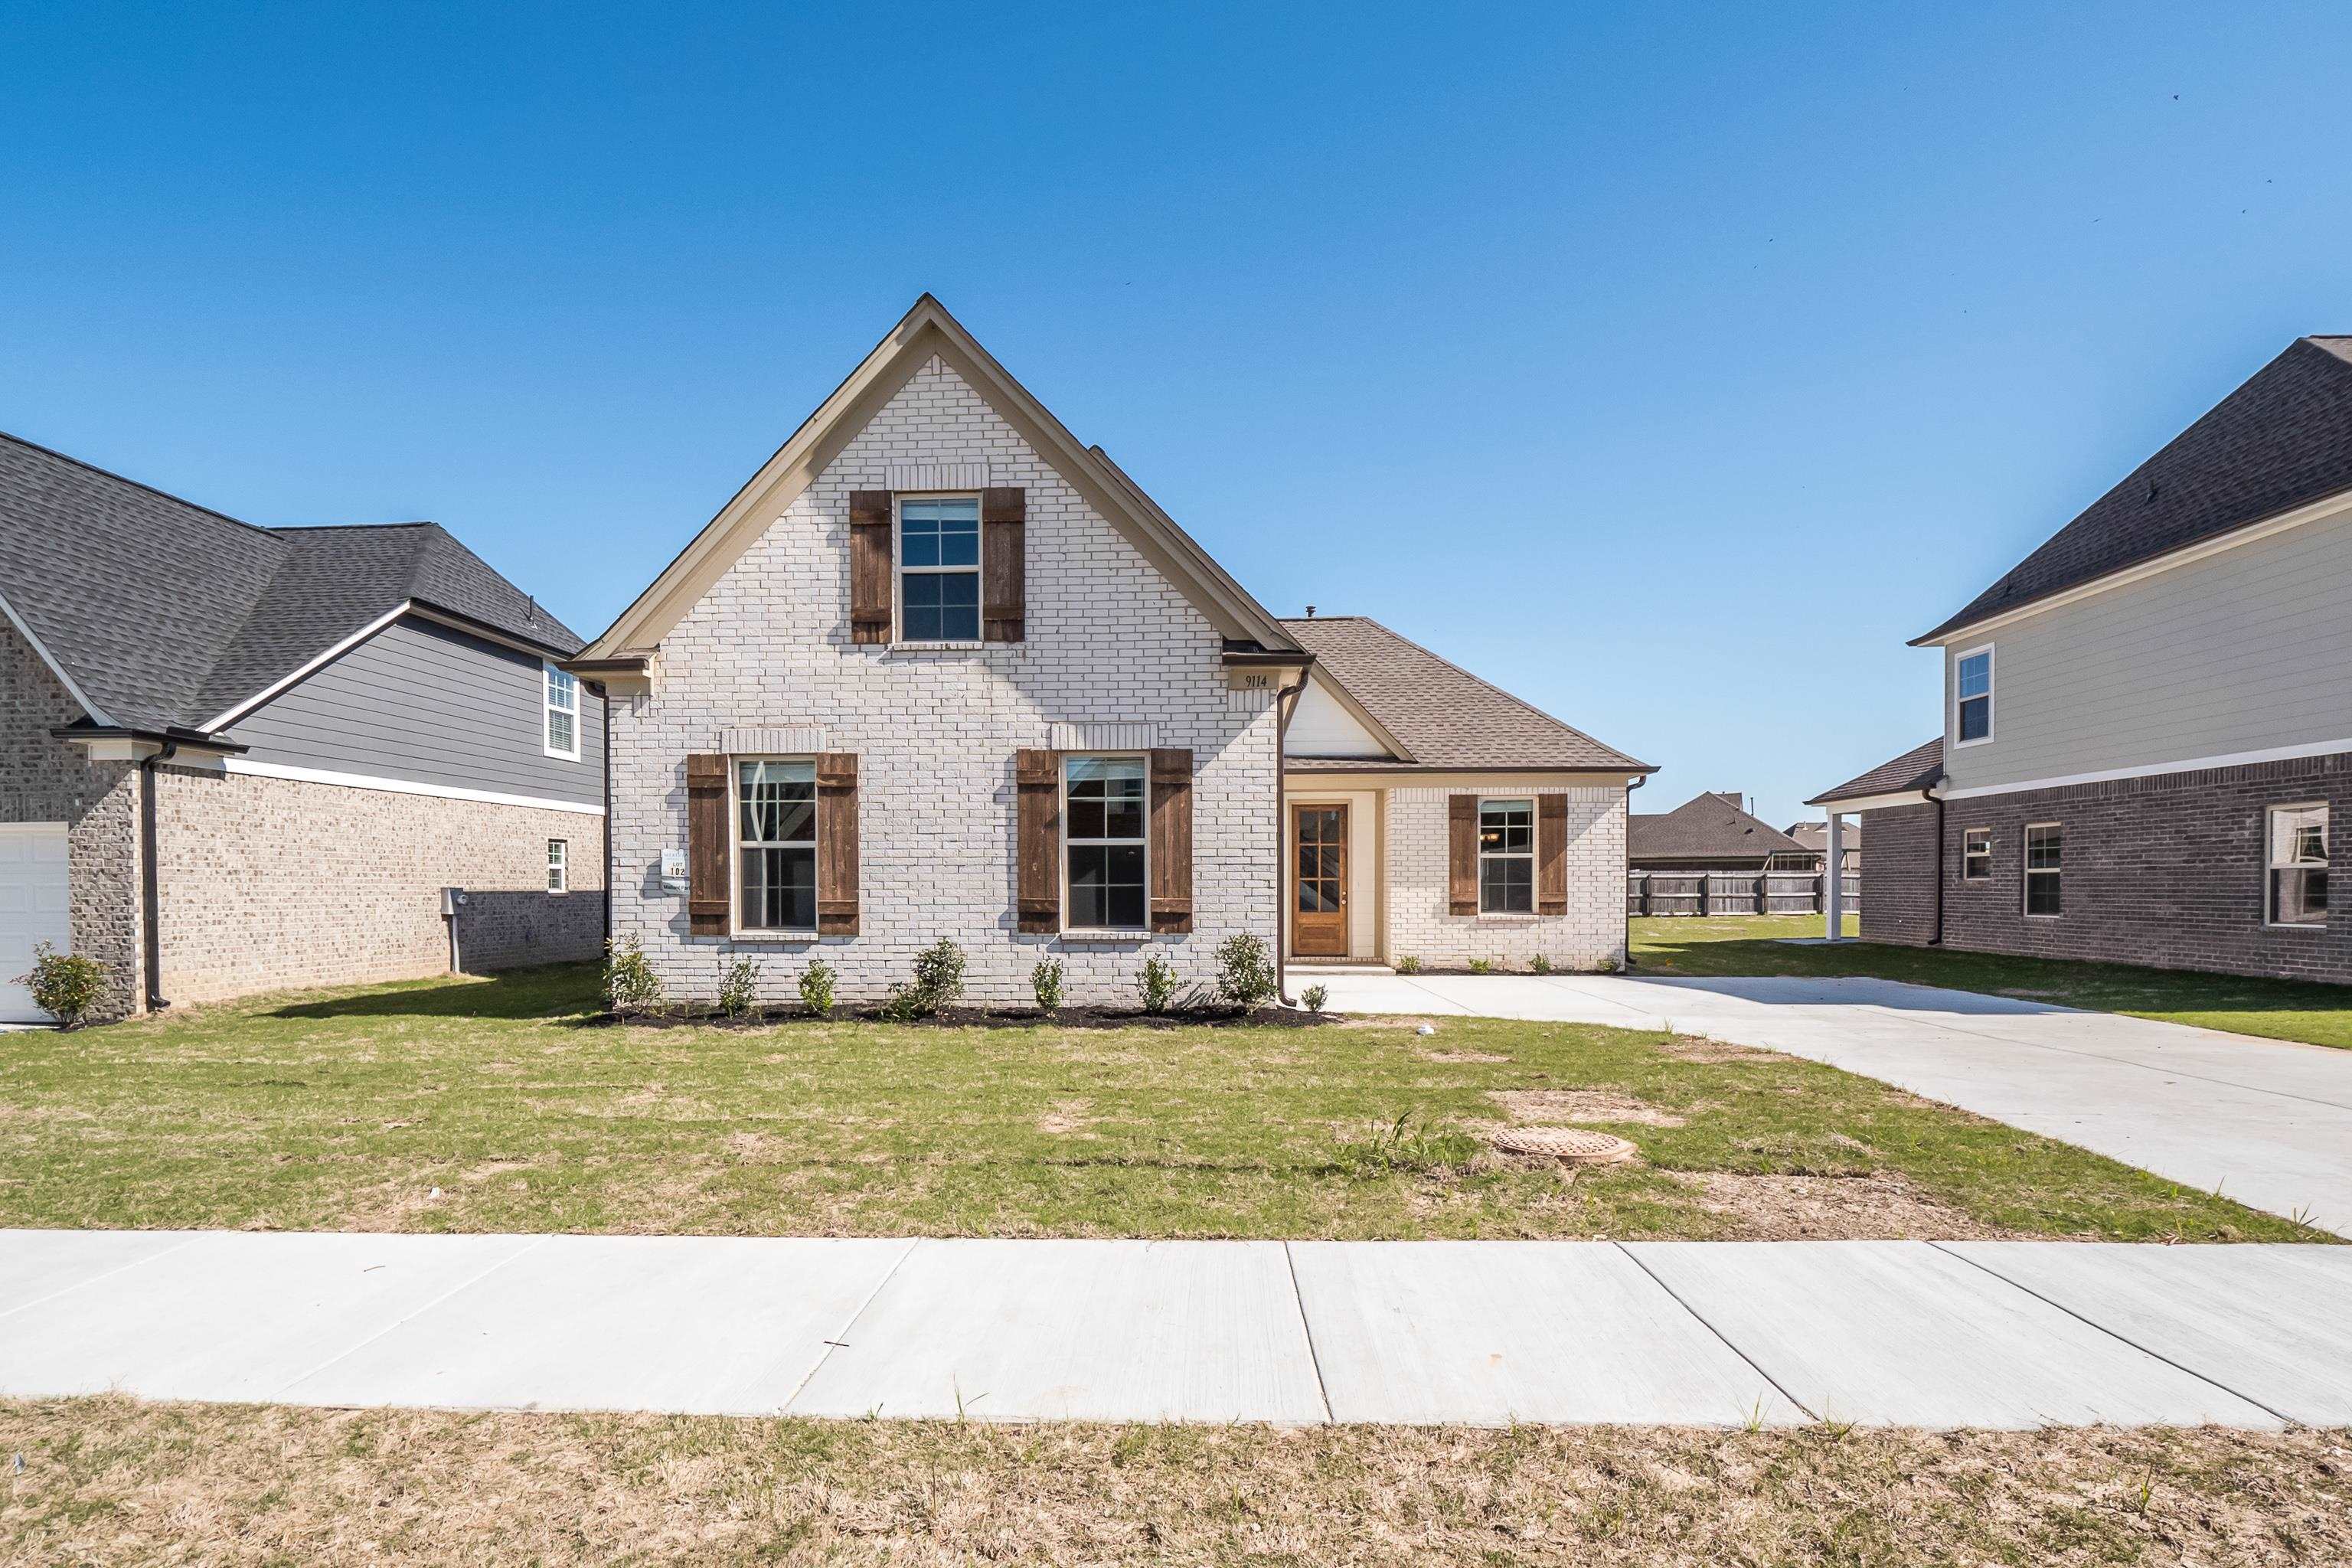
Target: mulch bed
<point>981,1017</point>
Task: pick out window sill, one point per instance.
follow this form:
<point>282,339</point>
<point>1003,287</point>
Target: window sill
<point>1136,934</point>
<point>1512,917</point>
<point>772,936</point>
<point>2297,925</point>
<point>941,647</point>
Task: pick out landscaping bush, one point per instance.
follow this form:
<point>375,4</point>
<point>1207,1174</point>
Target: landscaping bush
<point>738,987</point>
<point>630,986</point>
<point>1157,983</point>
<point>1482,966</point>
<point>1046,981</point>
<point>1314,996</point>
<point>66,986</point>
<point>1539,964</point>
<point>937,985</point>
<point>816,988</point>
<point>1245,972</point>
<point>1408,964</point>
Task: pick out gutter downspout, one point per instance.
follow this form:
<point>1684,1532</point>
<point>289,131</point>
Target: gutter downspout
<point>1285,701</point>
<point>150,878</point>
<point>1625,916</point>
<point>605,699</point>
<point>1936,938</point>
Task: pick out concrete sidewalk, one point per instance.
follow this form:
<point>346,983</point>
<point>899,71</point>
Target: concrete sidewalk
<point>1472,1332</point>
<point>2268,1122</point>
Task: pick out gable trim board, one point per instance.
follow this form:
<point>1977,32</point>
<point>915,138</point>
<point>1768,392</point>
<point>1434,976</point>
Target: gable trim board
<point>96,714</point>
<point>2155,770</point>
<point>926,332</point>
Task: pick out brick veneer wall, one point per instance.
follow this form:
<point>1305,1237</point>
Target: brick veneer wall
<point>272,883</point>
<point>1110,641</point>
<point>1898,875</point>
<point>2167,871</point>
<point>42,779</point>
<point>1589,936</point>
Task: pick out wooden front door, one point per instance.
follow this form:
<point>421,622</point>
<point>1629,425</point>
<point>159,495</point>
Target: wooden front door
<point>1318,876</point>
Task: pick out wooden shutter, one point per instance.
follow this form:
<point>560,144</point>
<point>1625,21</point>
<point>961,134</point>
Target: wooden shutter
<point>1462,855</point>
<point>705,845</point>
<point>1171,841</point>
<point>869,566</point>
<point>837,844</point>
<point>1037,778</point>
<point>1552,853</point>
<point>1003,521</point>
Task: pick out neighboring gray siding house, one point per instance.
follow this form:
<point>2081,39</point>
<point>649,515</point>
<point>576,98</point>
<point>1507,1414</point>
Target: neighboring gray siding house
<point>235,758</point>
<point>940,669</point>
<point>2146,740</point>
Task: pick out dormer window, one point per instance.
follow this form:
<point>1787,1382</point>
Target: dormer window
<point>939,568</point>
<point>1973,696</point>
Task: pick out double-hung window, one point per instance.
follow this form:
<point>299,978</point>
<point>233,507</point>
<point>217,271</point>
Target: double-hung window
<point>1506,857</point>
<point>559,865</point>
<point>775,814</point>
<point>1972,694</point>
<point>2044,849</point>
<point>1976,855</point>
<point>2298,866</point>
<point>939,568</point>
<point>1103,842</point>
<point>559,736</point>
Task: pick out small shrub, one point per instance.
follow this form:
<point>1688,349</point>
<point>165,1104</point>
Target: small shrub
<point>816,988</point>
<point>1157,983</point>
<point>66,986</point>
<point>738,987</point>
<point>1314,996</point>
<point>1245,972</point>
<point>630,986</point>
<point>1539,964</point>
<point>1046,981</point>
<point>939,979</point>
<point>1403,1149</point>
<point>1482,966</point>
<point>1408,964</point>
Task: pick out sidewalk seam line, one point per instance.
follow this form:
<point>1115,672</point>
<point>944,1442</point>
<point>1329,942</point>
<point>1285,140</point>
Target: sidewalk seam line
<point>406,1318</point>
<point>1806,1410</point>
<point>2116,1335</point>
<point>118,1268</point>
<point>1306,1326</point>
<point>831,1345</point>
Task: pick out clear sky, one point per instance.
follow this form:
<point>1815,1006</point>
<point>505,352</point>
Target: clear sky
<point>1668,367</point>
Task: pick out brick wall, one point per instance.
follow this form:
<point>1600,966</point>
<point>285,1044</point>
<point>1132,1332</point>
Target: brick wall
<point>1109,641</point>
<point>1589,936</point>
<point>273,883</point>
<point>1898,876</point>
<point>42,779</point>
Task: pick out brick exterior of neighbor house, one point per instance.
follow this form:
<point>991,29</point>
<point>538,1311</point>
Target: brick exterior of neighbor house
<point>1898,868</point>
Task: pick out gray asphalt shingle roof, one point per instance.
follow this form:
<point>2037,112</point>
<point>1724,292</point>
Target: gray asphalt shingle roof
<point>165,612</point>
<point>2280,441</point>
<point>1445,716</point>
<point>1706,827</point>
<point>1918,768</point>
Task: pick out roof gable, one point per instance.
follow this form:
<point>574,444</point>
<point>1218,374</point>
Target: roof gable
<point>924,333</point>
<point>1920,768</point>
<point>2280,442</point>
<point>1705,825</point>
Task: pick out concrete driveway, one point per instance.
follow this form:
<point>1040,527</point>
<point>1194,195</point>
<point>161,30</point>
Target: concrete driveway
<point>2263,1121</point>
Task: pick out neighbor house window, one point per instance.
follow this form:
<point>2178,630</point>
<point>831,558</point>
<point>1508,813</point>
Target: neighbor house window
<point>1976,855</point>
<point>561,737</point>
<point>939,568</point>
<point>558,865</point>
<point>1506,857</point>
<point>1102,839</point>
<point>775,814</point>
<point>2298,855</point>
<point>2044,845</point>
<point>1972,688</point>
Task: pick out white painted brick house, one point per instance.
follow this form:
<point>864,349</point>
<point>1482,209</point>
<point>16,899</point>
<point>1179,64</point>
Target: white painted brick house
<point>941,671</point>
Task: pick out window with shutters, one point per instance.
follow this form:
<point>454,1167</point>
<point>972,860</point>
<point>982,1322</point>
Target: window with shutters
<point>1506,857</point>
<point>559,710</point>
<point>775,843</point>
<point>939,568</point>
<point>1105,843</point>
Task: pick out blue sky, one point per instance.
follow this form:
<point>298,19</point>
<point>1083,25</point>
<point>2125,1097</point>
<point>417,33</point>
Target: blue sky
<point>1670,368</point>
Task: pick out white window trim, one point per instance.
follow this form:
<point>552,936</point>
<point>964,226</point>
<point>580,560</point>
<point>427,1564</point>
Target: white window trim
<point>547,706</point>
<point>735,926</point>
<point>1966,834</point>
<point>1993,695</point>
<point>1062,851</point>
<point>1480,857</point>
<point>2271,866</point>
<point>559,865</point>
<point>898,570</point>
<point>2027,872</point>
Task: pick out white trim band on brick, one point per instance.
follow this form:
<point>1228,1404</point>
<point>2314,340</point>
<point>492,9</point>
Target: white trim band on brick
<point>405,786</point>
<point>2150,769</point>
<point>771,740</point>
<point>1101,737</point>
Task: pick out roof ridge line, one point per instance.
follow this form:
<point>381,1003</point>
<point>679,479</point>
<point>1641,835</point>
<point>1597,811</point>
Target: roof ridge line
<point>89,466</point>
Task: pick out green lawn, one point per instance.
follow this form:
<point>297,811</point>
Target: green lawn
<point>2278,1009</point>
<point>349,1109</point>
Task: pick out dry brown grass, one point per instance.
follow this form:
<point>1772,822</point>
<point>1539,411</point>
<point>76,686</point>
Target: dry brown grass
<point>1532,1105</point>
<point>1831,1208</point>
<point>115,1481</point>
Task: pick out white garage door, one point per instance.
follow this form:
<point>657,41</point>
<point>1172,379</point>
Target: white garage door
<point>32,907</point>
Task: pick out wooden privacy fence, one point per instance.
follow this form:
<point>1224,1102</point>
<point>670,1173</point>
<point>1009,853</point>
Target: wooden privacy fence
<point>1735,892</point>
